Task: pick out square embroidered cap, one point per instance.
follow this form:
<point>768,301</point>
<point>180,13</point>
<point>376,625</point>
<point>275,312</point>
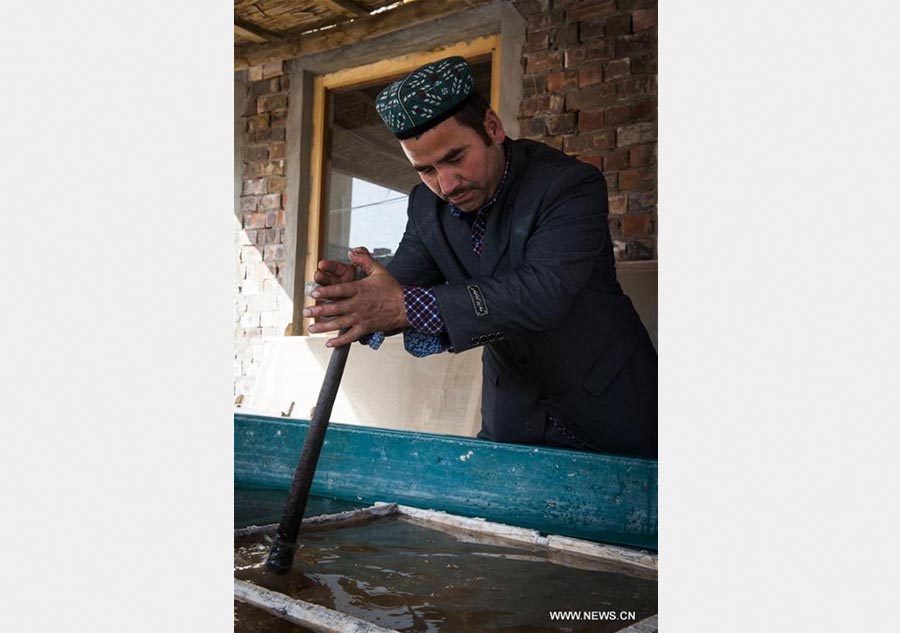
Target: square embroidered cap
<point>425,97</point>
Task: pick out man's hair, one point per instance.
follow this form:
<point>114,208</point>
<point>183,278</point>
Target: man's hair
<point>471,114</point>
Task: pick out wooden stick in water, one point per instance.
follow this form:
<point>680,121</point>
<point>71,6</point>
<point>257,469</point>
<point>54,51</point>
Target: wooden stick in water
<point>281,553</point>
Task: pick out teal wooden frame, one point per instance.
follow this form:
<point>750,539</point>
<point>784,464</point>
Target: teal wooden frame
<point>601,498</point>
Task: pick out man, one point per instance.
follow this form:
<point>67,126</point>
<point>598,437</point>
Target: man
<point>507,246</point>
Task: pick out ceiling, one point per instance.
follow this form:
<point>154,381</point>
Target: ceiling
<point>261,21</point>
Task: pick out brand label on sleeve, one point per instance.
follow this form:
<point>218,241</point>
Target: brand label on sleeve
<point>477,300</point>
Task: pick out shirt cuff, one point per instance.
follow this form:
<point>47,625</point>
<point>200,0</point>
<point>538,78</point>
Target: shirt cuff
<point>421,345</point>
<point>373,340</point>
<point>422,310</point>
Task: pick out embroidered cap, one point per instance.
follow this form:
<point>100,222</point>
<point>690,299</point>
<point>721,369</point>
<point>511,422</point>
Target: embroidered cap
<point>425,97</point>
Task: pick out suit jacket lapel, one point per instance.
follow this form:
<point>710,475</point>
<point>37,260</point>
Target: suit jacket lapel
<point>459,237</point>
<point>496,235</point>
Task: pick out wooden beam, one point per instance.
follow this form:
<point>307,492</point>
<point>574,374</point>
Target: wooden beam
<point>365,28</point>
<point>253,32</point>
<point>343,7</point>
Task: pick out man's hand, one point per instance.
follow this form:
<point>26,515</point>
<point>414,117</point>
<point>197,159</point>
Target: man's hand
<point>372,304</point>
<point>330,272</point>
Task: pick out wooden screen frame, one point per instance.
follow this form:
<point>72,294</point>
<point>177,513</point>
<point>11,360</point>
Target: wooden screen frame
<point>360,76</point>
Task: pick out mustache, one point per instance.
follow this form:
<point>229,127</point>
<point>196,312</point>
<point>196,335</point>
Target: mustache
<point>458,192</point>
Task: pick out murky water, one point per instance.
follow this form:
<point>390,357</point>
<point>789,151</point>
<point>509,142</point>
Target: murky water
<point>411,578</point>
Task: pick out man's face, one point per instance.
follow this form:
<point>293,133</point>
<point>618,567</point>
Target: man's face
<point>453,161</point>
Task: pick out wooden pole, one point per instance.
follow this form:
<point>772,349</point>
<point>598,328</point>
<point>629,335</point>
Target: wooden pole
<point>281,554</point>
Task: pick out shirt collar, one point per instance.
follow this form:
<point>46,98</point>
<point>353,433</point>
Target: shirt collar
<point>506,154</point>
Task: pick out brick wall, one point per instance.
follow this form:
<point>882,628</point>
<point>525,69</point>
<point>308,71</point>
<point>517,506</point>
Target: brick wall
<point>590,90</point>
<point>260,239</point>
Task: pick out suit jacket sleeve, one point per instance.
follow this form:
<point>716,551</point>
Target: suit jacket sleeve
<point>412,264</point>
<point>567,231</point>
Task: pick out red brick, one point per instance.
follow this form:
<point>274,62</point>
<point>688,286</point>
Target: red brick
<point>285,83</point>
<point>590,10</point>
<point>617,69</point>
<point>635,226</point>
<point>534,105</point>
<point>258,122</point>
<point>267,103</point>
<point>642,202</point>
<point>254,187</point>
<point>577,144</point>
<point>592,98</point>
<point>643,19</point>
<point>533,127</point>
<point>617,114</point>
<point>279,221</point>
<point>543,62</point>
<point>557,82</point>
<point>612,181</point>
<point>271,218</point>
<point>642,155</point>
<point>631,45</point>
<point>271,134</point>
<point>590,74</point>
<point>277,150</point>
<point>636,87</point>
<point>259,88</point>
<point>644,64</point>
<point>643,111</point>
<point>279,118</point>
<point>616,160</point>
<point>592,30</point>
<point>619,24</point>
<point>640,178</point>
<point>618,204</point>
<point>270,201</point>
<point>249,203</point>
<point>274,253</point>
<point>538,41</point>
<point>534,85</point>
<point>254,220</point>
<point>637,133</point>
<point>276,184</point>
<point>604,139</point>
<point>545,20</point>
<point>557,103</point>
<point>255,153</point>
<point>595,49</point>
<point>276,169</point>
<point>561,124</point>
<point>592,159</point>
<point>566,36</point>
<point>590,120</point>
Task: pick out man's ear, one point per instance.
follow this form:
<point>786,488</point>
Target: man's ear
<point>494,126</point>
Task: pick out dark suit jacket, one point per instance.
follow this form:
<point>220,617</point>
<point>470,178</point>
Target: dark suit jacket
<point>560,337</point>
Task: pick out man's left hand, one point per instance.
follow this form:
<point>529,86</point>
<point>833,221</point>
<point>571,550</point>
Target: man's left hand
<point>372,304</point>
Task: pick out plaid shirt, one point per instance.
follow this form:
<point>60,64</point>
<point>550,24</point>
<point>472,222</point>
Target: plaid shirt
<point>428,334</point>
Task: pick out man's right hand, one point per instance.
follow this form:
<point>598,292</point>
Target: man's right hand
<point>331,272</point>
